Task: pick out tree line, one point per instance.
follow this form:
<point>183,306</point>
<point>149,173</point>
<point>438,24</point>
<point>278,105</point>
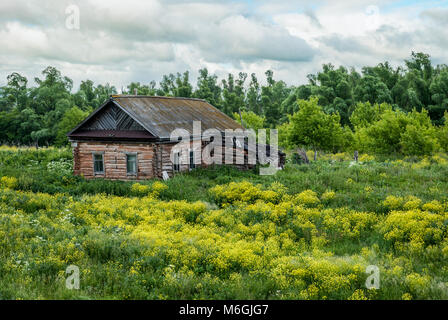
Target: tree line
<point>349,107</point>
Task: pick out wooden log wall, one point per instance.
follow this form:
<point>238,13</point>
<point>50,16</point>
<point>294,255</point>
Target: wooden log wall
<point>152,159</point>
<point>114,155</point>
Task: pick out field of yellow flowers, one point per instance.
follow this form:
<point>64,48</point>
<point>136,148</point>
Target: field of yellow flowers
<point>307,233</point>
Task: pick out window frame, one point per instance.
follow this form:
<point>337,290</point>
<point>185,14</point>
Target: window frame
<point>176,164</point>
<point>127,154</point>
<point>191,163</point>
<point>94,154</point>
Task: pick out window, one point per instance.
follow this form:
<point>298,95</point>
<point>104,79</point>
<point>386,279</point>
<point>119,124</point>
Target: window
<point>176,166</point>
<point>192,164</point>
<point>98,163</point>
<point>131,164</point>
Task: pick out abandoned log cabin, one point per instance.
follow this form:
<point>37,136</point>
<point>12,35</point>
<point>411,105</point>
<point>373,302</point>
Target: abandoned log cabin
<point>128,138</point>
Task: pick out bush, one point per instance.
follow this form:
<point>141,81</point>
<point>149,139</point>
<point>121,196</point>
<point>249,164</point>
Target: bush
<point>418,141</point>
<point>442,134</point>
<point>8,182</point>
<point>398,132</point>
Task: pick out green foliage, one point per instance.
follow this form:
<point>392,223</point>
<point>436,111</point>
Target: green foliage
<point>308,232</point>
<point>32,115</point>
<point>398,132</point>
<point>171,85</point>
<point>365,113</point>
<point>272,97</point>
<point>250,120</point>
<point>69,121</point>
<point>439,95</point>
<point>372,89</point>
<point>208,88</point>
<point>233,93</point>
<point>442,134</point>
<point>312,127</point>
<point>39,115</point>
<point>414,141</point>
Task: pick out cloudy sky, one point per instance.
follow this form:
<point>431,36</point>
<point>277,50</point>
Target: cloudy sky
<point>120,41</point>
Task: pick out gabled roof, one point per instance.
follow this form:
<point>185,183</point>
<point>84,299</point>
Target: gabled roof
<point>162,115</point>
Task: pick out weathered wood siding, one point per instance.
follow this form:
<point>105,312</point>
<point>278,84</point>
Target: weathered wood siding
<point>114,159</point>
<point>152,159</point>
<point>112,117</point>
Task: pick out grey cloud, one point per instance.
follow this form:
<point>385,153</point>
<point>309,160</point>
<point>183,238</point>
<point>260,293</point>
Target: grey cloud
<point>344,44</point>
<point>238,37</point>
<point>315,21</point>
<point>436,16</point>
<point>109,33</point>
<point>136,40</point>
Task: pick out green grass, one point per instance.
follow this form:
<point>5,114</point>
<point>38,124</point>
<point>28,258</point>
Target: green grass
<point>30,168</point>
<point>110,252</point>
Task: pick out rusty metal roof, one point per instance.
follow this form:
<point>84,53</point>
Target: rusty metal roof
<point>162,115</point>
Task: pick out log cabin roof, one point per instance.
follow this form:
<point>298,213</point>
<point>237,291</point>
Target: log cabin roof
<point>159,116</point>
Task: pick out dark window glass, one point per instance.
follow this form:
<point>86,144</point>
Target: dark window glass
<point>98,163</point>
<point>131,163</point>
<point>192,164</point>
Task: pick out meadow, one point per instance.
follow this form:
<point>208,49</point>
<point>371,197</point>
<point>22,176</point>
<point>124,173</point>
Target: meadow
<point>308,232</point>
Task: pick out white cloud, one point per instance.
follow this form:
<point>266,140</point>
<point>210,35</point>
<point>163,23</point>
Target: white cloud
<point>122,41</point>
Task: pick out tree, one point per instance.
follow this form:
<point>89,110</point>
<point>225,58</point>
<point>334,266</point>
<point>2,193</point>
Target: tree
<point>421,63</point>
<point>312,127</point>
<point>208,89</point>
<point>384,71</point>
<point>372,89</point>
<point>39,135</point>
<point>289,104</point>
<point>442,133</point>
<point>250,120</point>
<point>70,120</point>
<point>253,99</point>
<point>439,96</point>
<point>15,93</point>
<point>365,113</point>
<point>334,88</point>
<point>419,141</point>
<point>233,93</point>
<point>412,89</point>
<point>174,85</point>
<point>141,89</point>
<point>398,132</point>
<point>28,121</point>
<point>272,96</point>
<point>102,93</point>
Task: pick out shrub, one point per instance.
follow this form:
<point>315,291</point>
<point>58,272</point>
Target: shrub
<point>157,187</point>
<point>398,132</point>
<point>8,182</point>
<point>140,189</point>
<point>442,133</point>
<point>307,197</point>
<point>418,141</point>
